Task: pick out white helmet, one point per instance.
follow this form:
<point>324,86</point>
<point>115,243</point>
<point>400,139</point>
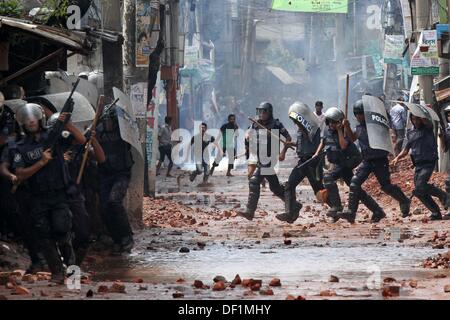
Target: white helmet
<point>30,111</point>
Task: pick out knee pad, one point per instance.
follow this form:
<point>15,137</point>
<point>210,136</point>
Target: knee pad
<point>329,183</point>
<point>355,187</point>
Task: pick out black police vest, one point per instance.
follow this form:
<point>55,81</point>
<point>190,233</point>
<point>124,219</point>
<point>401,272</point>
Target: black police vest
<point>118,152</point>
<point>305,147</point>
<point>273,124</point>
<point>349,158</point>
<point>423,145</point>
<point>53,176</point>
<point>363,139</point>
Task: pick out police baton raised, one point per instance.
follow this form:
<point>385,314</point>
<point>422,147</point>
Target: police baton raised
<point>100,105</point>
<point>347,92</point>
<point>270,131</point>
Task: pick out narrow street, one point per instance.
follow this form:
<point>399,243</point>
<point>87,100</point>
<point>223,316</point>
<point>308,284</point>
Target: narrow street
<point>201,218</point>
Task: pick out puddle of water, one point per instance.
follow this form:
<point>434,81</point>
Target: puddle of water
<point>291,265</point>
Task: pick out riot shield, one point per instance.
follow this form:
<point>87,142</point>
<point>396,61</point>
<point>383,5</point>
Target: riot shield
<point>129,129</point>
<point>377,124</point>
<point>305,117</point>
<point>83,112</point>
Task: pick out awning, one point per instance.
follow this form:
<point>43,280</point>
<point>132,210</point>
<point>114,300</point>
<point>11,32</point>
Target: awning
<point>72,40</point>
<point>282,75</point>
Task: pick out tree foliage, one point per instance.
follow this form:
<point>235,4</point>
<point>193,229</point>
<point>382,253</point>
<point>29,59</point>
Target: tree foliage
<point>10,8</point>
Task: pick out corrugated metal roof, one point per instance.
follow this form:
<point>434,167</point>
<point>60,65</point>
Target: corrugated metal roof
<point>281,74</point>
<point>72,40</point>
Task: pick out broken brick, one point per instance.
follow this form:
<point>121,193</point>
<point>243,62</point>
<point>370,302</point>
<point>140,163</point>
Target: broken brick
<point>275,282</point>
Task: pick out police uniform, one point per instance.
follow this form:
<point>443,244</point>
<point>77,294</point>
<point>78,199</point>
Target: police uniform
<point>77,203</point>
<point>422,143</point>
<point>51,217</point>
<point>115,175</point>
<point>22,208</point>
<point>374,161</point>
<point>340,168</point>
<point>305,150</point>
<point>264,167</point>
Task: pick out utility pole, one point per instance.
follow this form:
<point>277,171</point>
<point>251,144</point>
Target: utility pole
<point>169,72</point>
<point>135,194</point>
<point>423,20</point>
<point>339,46</point>
<point>112,51</point>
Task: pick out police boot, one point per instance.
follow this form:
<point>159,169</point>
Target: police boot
<point>432,206</point>
<point>443,196</point>
<point>335,201</point>
<point>193,175</point>
<point>253,197</point>
<point>377,216</point>
<point>372,205</point>
<point>290,216</point>
<point>127,244</point>
<point>66,249</point>
<point>353,202</point>
<point>396,193</point>
<point>54,262</point>
<point>405,207</point>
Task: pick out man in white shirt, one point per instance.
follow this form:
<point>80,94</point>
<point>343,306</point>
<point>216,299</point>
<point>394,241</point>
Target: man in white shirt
<point>165,146</point>
<point>399,116</point>
<point>320,115</point>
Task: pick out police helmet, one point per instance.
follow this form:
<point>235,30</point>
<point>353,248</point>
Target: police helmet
<point>334,114</point>
<point>358,107</point>
<point>297,110</point>
<point>30,111</point>
<point>265,107</point>
<point>52,120</point>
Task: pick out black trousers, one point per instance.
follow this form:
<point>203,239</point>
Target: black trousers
<point>309,171</point>
<point>255,188</point>
<point>329,181</point>
<point>52,223</point>
<point>113,189</point>
<point>424,191</point>
<point>80,226</point>
<point>380,168</point>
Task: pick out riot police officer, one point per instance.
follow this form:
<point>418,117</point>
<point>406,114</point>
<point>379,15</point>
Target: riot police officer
<point>259,141</point>
<point>373,161</point>
<point>47,178</point>
<point>300,114</point>
<point>73,154</point>
<point>423,145</point>
<point>18,203</point>
<point>343,156</point>
<point>115,175</point>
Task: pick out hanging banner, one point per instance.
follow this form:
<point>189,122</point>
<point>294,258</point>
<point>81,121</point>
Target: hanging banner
<point>425,60</point>
<point>147,19</point>
<point>393,49</point>
<point>323,6</point>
